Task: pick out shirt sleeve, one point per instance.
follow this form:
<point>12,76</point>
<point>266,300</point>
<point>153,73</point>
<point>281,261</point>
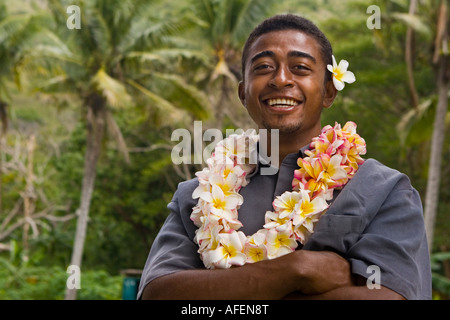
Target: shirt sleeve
<point>395,244</point>
<point>376,223</point>
<point>173,249</point>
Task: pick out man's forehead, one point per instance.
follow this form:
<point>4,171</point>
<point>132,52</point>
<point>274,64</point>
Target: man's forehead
<point>287,42</point>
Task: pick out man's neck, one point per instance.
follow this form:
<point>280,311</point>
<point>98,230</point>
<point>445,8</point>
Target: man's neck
<point>289,143</point>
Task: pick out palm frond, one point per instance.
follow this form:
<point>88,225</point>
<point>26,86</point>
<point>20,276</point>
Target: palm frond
<point>220,30</point>
<point>165,55</point>
<point>414,22</point>
<point>416,124</point>
<point>99,31</point>
<point>11,27</point>
<point>49,84</point>
<point>249,14</point>
<point>172,115</point>
<point>184,95</point>
<point>111,89</point>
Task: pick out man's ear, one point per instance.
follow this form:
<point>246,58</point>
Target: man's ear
<point>330,94</point>
<point>241,93</point>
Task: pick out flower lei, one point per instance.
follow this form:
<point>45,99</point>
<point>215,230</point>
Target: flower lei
<point>331,161</point>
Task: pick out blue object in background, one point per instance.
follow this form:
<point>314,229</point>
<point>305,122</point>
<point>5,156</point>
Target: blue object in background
<point>130,283</point>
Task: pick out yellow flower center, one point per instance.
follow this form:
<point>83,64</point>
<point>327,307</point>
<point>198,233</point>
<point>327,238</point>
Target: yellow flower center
<point>290,204</point>
<point>307,207</point>
<point>219,204</point>
<point>281,240</point>
<point>256,254</point>
<point>338,74</point>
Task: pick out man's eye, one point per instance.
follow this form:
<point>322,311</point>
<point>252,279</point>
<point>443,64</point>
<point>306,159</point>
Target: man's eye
<point>262,67</point>
<point>301,70</point>
<point>301,67</point>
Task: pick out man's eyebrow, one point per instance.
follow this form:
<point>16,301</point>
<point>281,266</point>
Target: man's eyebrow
<point>301,54</point>
<point>265,53</point>
<point>294,53</point>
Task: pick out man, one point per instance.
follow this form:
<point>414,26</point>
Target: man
<point>375,222</point>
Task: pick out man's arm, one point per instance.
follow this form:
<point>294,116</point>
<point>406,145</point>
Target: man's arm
<point>305,271</point>
<point>359,291</point>
<point>350,293</point>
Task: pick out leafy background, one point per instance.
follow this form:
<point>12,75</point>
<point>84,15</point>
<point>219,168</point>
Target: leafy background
<point>158,66</point>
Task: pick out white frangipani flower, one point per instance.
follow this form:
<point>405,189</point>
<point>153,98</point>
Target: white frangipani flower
<point>340,73</point>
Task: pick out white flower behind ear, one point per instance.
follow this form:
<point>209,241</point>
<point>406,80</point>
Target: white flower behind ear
<point>340,74</point>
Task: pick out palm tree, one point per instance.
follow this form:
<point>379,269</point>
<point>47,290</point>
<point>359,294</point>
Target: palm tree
<point>441,60</point>
<point>101,65</point>
<point>432,22</point>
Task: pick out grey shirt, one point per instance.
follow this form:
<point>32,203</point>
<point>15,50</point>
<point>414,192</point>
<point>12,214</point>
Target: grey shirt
<point>376,220</point>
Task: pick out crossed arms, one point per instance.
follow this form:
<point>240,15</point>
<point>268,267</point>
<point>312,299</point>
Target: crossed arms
<point>382,225</point>
<point>302,274</point>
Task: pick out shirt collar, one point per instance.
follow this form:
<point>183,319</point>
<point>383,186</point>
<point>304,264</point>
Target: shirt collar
<point>290,159</point>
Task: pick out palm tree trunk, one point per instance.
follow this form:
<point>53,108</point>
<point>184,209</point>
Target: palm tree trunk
<point>29,194</point>
<point>96,128</point>
<point>409,57</point>
<point>434,172</point>
<point>4,123</point>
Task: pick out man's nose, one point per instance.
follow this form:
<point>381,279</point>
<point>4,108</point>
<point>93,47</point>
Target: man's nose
<point>281,78</point>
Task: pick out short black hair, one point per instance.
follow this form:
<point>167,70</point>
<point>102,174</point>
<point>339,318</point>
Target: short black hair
<point>290,22</point>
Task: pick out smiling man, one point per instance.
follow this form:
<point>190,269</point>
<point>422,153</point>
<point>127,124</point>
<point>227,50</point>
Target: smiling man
<point>286,84</point>
<point>374,223</point>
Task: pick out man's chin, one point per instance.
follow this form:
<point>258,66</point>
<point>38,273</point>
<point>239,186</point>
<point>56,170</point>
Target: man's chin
<point>284,129</point>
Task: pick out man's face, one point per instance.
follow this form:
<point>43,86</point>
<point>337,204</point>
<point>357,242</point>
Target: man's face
<point>284,84</point>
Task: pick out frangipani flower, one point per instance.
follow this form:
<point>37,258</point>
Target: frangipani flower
<point>305,229</point>
<point>230,250</point>
<point>308,208</point>
<point>321,173</point>
<point>221,206</point>
<point>196,215</point>
<point>228,184</point>
<point>333,174</point>
<point>255,253</point>
<point>358,143</point>
<point>237,147</point>
<point>207,238</point>
<point>273,221</point>
<point>286,204</point>
<point>255,248</point>
<point>340,73</point>
<point>327,142</point>
<point>279,243</point>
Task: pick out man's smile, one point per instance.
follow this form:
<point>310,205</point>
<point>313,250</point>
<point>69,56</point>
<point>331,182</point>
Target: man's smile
<point>282,104</point>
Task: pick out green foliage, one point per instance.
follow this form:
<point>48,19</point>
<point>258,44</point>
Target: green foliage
<point>441,284</point>
<point>157,65</point>
<point>43,283</point>
<point>24,278</point>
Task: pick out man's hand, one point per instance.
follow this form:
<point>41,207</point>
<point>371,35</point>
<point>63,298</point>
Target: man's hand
<point>326,275</point>
<point>322,271</point>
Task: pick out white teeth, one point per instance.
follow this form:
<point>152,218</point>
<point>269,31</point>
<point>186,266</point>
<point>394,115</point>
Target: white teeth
<point>282,103</point>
